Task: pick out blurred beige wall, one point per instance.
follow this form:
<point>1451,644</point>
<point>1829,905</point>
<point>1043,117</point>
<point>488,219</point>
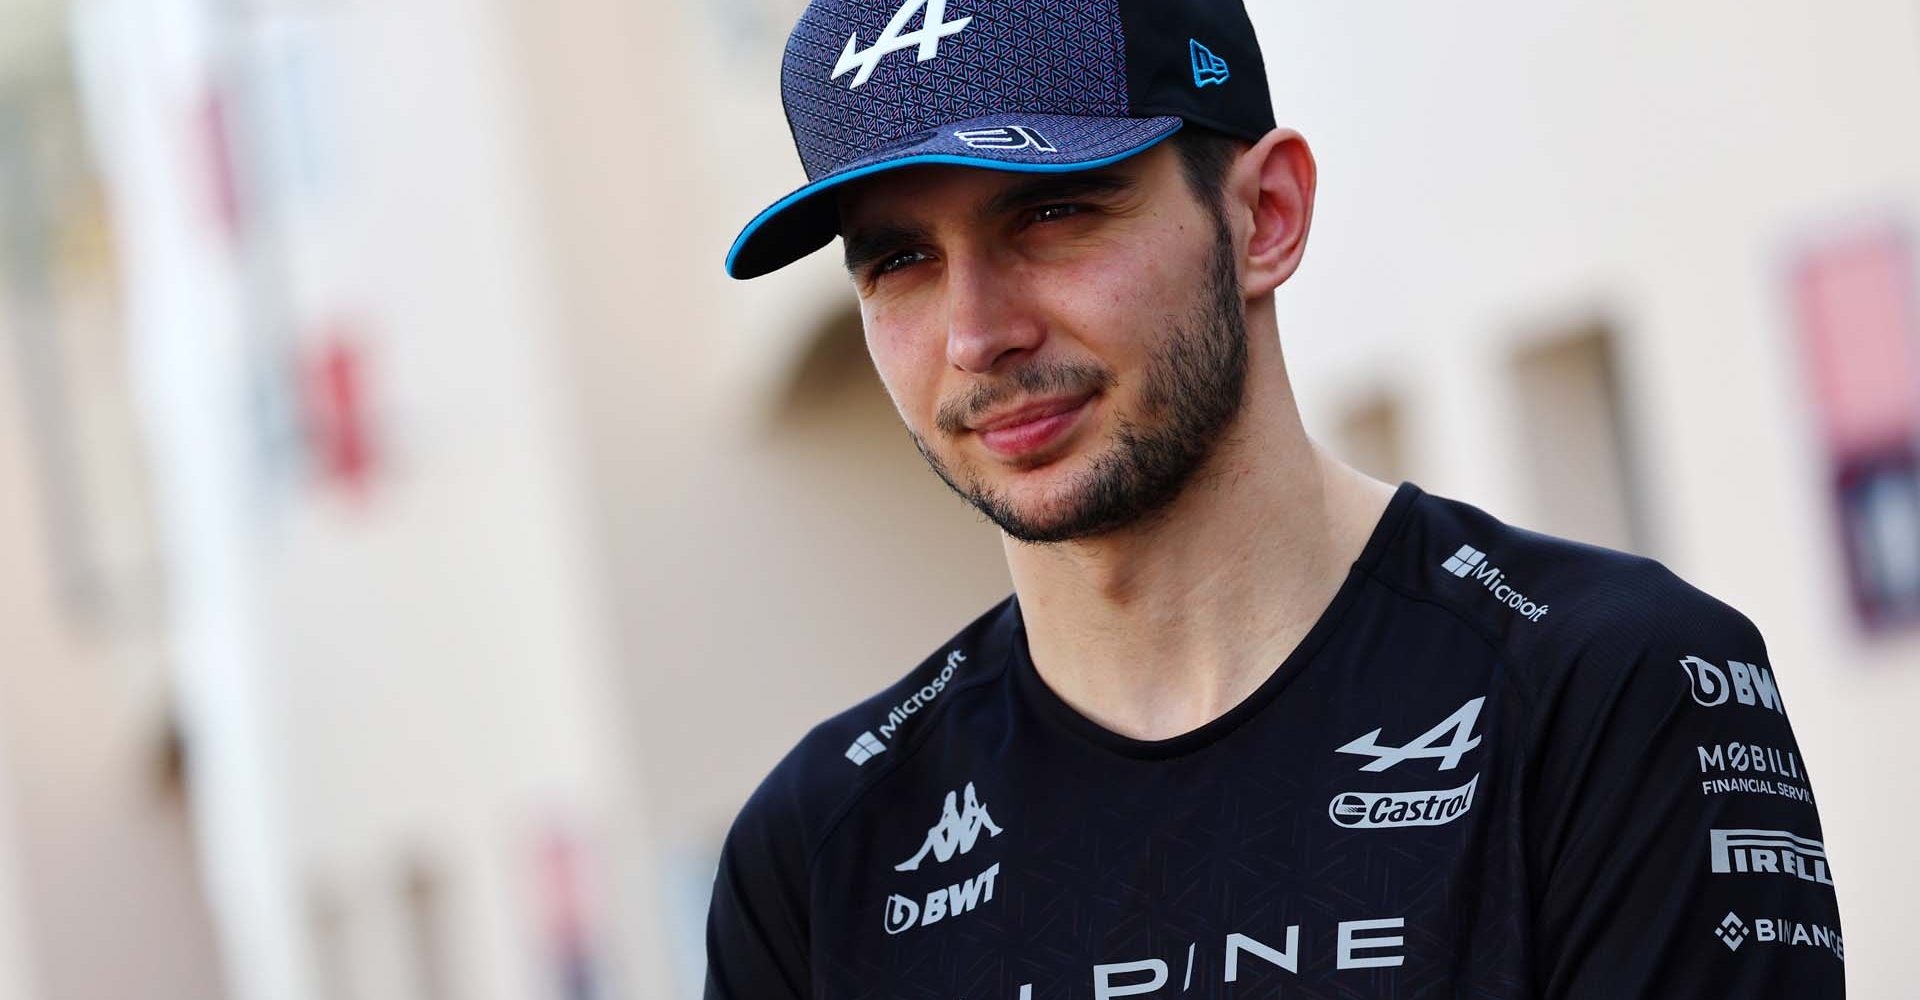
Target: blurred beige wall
<point>98,857</point>
<point>17,978</point>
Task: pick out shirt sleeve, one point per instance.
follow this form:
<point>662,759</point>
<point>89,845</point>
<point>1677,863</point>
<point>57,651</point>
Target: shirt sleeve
<point>757,944</point>
<point>1675,847</point>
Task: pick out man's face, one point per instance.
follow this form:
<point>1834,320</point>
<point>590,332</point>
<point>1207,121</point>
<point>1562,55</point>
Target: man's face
<point>1065,349</point>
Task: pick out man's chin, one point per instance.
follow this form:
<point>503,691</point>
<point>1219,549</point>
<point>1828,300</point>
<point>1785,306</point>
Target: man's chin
<point>1029,513</point>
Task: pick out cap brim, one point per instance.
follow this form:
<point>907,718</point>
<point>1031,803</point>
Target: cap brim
<point>809,218</point>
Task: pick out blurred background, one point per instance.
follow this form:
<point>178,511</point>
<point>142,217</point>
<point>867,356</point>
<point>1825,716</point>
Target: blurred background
<point>414,548</point>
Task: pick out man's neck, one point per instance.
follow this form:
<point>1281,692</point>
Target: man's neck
<point>1155,631</point>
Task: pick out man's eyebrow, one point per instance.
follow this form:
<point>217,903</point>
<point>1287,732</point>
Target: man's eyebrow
<point>869,243</point>
<point>866,244</point>
<point>1056,187</point>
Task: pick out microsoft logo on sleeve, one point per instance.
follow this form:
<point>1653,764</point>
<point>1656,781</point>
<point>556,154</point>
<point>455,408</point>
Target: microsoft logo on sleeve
<point>1471,562</point>
<point>865,747</point>
<point>1464,561</point>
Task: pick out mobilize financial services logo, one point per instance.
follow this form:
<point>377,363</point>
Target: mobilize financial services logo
<point>962,820</point>
<point>866,746</point>
<point>1751,768</point>
<point>1471,562</point>
<point>1366,810</point>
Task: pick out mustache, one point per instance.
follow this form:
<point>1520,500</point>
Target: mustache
<point>1035,379</point>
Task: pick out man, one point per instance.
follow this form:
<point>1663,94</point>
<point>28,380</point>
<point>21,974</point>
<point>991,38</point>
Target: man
<point>1252,724</point>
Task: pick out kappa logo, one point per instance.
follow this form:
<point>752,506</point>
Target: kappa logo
<point>1005,137</point>
<point>956,832</point>
<point>962,819</point>
<point>1207,67</point>
<point>933,27</point>
<point>1427,745</point>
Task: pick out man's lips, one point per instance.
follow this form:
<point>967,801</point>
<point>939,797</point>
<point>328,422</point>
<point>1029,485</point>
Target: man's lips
<point>1030,427</point>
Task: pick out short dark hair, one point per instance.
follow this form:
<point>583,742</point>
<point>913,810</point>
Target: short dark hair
<point>1205,155</point>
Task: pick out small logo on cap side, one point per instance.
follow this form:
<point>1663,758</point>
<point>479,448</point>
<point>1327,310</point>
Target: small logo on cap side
<point>933,27</point>
<point>1005,137</point>
<point>1207,67</point>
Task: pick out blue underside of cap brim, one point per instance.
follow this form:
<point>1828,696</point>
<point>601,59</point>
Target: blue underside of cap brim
<point>805,221</point>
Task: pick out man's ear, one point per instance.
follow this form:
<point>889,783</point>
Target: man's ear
<point>1271,190</point>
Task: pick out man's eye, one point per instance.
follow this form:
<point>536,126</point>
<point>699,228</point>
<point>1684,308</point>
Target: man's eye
<point>895,262</point>
<point>1054,213</point>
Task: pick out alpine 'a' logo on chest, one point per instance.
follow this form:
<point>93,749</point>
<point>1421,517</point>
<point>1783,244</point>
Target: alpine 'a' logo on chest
<point>1446,743</point>
<point>933,27</point>
<point>1427,745</point>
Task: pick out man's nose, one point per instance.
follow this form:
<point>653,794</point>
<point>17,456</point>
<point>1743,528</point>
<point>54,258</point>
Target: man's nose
<point>988,316</point>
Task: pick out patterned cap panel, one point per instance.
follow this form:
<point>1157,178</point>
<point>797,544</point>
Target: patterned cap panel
<point>854,82</point>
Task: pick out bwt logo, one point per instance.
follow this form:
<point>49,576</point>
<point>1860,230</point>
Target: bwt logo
<point>1747,683</point>
<point>948,901</point>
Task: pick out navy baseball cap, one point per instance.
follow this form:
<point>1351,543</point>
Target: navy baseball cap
<point>1032,86</point>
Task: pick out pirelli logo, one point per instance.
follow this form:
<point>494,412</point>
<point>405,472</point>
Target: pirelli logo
<point>1769,852</point>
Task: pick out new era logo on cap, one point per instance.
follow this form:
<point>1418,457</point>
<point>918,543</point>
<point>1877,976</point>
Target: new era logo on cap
<point>1207,67</point>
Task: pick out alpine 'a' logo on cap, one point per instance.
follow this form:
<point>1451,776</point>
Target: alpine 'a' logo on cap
<point>1207,67</point>
<point>933,27</point>
<point>1005,137</point>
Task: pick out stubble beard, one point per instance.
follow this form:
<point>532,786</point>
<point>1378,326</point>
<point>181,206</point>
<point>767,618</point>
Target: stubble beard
<point>1193,390</point>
